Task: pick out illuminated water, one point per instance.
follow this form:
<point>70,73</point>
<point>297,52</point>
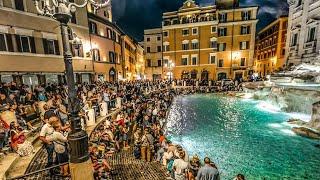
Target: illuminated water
<point>242,137</point>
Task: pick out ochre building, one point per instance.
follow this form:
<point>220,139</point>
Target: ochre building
<point>31,45</point>
<point>209,42</point>
<point>270,48</point>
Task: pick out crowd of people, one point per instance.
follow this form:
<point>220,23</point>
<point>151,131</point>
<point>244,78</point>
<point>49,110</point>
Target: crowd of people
<point>138,124</point>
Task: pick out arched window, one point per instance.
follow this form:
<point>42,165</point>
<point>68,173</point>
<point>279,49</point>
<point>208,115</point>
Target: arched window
<point>194,74</point>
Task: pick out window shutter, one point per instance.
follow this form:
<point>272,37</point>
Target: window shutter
<point>56,47</point>
<point>32,44</point>
<point>9,42</point>
<point>81,51</point>
<point>45,46</point>
<point>98,55</point>
<point>18,40</point>
<point>248,45</point>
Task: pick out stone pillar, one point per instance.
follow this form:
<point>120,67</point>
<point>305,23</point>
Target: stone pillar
<point>197,83</point>
<point>184,83</point>
<point>210,83</point>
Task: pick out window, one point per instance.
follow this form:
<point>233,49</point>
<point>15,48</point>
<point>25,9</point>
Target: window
<point>93,27</point>
<point>195,45</point>
<point>109,33</point>
<point>311,34</point>
<point>148,39</point>
<point>283,52</point>
<point>159,63</point>
<point>243,62</point>
<point>158,38</point>
<point>223,17</point>
<point>220,62</point>
<point>148,50</point>
<point>166,48</point>
<point>184,61</point>
<point>185,46</point>
<point>245,30</point>
<point>244,45</point>
<point>77,50</point>
<point>212,59</point>
<point>25,44</point>
<point>165,34</point>
<point>194,31</point>
<point>3,45</point>
<point>194,60</point>
<point>159,49</point>
<point>51,46</point>
<point>19,5</point>
<point>213,29</point>
<point>185,32</point>
<point>222,46</point>
<point>96,55</point>
<point>222,31</point>
<point>165,61</point>
<point>106,14</point>
<point>111,57</point>
<point>294,39</point>
<point>213,44</point>
<point>246,15</point>
<point>149,62</point>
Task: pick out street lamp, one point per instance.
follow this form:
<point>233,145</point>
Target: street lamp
<point>61,10</point>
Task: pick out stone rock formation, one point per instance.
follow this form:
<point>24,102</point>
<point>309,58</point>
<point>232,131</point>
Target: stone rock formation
<point>306,132</point>
<point>315,118</point>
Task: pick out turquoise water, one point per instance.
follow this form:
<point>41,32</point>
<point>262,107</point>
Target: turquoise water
<point>241,137</point>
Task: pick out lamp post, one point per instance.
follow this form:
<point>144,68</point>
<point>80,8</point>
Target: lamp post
<point>61,10</point>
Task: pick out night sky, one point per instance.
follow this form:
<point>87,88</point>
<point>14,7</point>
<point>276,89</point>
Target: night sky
<point>133,16</point>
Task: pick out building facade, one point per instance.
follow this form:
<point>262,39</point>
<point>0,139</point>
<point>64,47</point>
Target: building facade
<point>31,45</point>
<point>210,42</point>
<point>270,47</point>
<point>153,53</point>
<point>303,39</point>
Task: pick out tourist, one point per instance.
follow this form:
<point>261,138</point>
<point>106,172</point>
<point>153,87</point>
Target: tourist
<point>194,167</point>
<point>207,172</point>
<point>62,112</point>
<point>18,140</point>
<point>45,136</point>
<point>239,177</point>
<point>179,167</point>
<point>147,147</point>
<point>4,129</point>
<point>60,147</point>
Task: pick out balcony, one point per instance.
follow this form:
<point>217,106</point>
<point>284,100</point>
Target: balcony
<point>310,45</point>
<point>294,48</point>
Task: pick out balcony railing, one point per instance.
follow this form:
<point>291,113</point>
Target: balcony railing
<point>310,45</point>
<point>294,48</point>
<point>187,21</point>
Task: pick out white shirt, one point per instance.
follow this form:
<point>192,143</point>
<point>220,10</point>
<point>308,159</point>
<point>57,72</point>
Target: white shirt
<point>46,131</point>
<point>180,165</point>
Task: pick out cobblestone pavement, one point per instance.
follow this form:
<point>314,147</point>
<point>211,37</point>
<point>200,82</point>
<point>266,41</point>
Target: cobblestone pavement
<point>129,168</point>
<point>125,166</point>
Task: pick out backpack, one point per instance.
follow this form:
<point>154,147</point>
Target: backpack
<point>170,165</point>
